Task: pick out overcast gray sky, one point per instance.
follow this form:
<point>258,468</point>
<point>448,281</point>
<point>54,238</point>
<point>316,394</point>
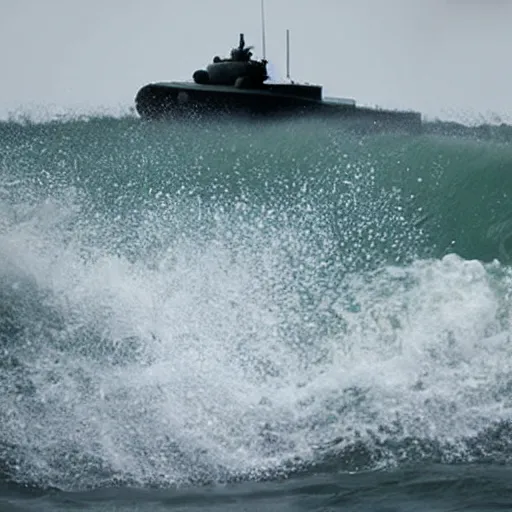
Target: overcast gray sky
<point>442,57</point>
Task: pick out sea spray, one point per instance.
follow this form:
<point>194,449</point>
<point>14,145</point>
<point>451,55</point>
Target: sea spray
<point>207,304</point>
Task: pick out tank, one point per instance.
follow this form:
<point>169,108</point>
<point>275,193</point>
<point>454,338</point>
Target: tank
<point>239,85</point>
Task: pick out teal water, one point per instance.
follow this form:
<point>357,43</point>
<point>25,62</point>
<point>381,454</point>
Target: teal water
<point>270,316</point>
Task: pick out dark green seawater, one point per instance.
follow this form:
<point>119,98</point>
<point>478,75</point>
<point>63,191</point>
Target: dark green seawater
<point>281,316</point>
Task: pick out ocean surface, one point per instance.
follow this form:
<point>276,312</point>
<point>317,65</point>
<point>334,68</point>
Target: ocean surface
<point>269,316</point>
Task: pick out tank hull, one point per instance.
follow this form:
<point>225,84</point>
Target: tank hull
<point>167,100</point>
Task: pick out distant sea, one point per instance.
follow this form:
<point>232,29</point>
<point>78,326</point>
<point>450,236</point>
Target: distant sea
<point>232,316</point>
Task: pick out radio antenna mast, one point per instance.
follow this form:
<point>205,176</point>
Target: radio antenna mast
<point>263,29</point>
<point>288,54</point>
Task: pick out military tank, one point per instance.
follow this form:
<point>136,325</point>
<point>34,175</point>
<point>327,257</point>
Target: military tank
<point>239,85</point>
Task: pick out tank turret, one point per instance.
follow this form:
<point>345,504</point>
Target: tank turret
<point>238,70</point>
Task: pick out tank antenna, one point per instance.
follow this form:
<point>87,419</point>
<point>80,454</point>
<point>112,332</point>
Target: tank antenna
<point>263,29</point>
<point>288,54</point>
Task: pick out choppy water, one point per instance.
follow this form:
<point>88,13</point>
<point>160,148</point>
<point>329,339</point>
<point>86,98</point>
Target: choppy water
<point>284,316</point>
